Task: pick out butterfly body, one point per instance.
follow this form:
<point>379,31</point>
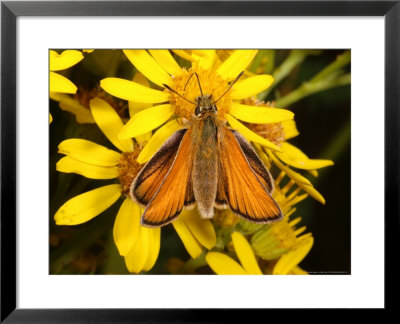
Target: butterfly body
<point>209,165</point>
<point>205,163</point>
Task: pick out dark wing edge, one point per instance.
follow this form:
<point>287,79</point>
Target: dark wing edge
<point>262,176</point>
<point>175,190</point>
<point>157,167</point>
<point>255,162</point>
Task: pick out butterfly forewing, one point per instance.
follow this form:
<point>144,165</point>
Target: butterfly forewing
<point>149,179</point>
<point>255,163</point>
<point>174,189</point>
<point>240,187</point>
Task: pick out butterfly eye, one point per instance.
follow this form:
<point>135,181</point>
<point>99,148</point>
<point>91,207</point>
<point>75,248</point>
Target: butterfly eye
<point>197,111</point>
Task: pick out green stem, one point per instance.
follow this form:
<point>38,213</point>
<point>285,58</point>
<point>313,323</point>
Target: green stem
<point>269,66</point>
<point>329,77</point>
<point>342,60</point>
<point>308,88</point>
<point>263,62</point>
<point>192,264</point>
<point>295,58</point>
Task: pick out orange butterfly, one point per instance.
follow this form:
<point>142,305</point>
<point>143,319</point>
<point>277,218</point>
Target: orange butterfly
<point>208,164</point>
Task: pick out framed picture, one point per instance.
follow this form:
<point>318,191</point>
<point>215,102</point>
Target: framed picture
<point>196,152</point>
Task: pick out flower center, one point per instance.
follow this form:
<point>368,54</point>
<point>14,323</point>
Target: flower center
<point>128,169</point>
<point>275,132</point>
<point>84,95</point>
<point>211,83</point>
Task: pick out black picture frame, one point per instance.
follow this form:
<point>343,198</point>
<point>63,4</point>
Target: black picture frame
<point>11,10</point>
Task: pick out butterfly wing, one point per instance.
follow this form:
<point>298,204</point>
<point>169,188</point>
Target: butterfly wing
<point>150,177</point>
<point>256,164</point>
<point>174,190</point>
<point>239,186</point>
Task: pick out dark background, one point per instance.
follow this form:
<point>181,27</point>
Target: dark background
<point>324,122</point>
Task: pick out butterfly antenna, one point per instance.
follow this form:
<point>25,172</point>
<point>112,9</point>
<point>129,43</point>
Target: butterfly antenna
<point>230,86</point>
<point>198,81</point>
<point>170,89</point>
<point>184,88</point>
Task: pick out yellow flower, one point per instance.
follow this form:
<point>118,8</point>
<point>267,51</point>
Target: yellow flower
<point>224,265</point>
<point>139,245</point>
<point>275,248</point>
<point>79,103</point>
<point>171,110</point>
<point>58,62</point>
<point>282,239</point>
<point>288,263</point>
<point>59,85</point>
<point>289,156</point>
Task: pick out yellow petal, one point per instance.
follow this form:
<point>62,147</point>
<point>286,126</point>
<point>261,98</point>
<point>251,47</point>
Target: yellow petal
<point>205,58</point>
<point>89,152</point>
<point>191,244</point>
<point>64,60</point>
<point>146,120</point>
<point>250,135</point>
<point>158,138</point>
<point>313,172</point>
<point>135,106</point>
<point>137,256</point>
<point>84,207</point>
<point>154,247</point>
<point>143,61</point>
<point>251,86</point>
<point>245,254</point>
<point>67,103</point>
<point>293,156</point>
<point>58,83</point>
<point>297,177</point>
<point>236,63</point>
<point>127,226</point>
<point>291,259</point>
<point>143,139</point>
<point>298,198</point>
<point>259,115</point>
<point>132,91</point>
<point>69,165</point>
<point>185,54</point>
<point>290,129</point>
<point>313,193</point>
<point>223,265</point>
<point>110,123</point>
<point>166,61</point>
<point>201,229</point>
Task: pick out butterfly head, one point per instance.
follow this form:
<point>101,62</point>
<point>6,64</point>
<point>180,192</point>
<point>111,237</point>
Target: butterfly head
<point>205,104</point>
